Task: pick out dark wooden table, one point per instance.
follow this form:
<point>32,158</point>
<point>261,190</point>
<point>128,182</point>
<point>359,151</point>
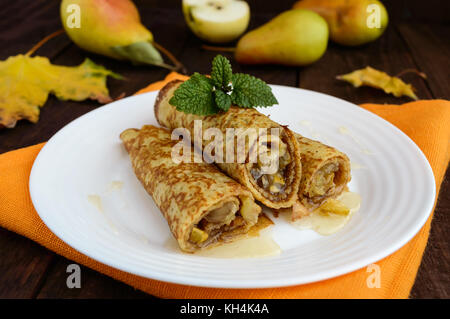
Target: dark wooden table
<point>417,37</point>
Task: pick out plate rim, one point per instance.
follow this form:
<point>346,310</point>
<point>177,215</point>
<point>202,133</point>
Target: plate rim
<point>252,283</point>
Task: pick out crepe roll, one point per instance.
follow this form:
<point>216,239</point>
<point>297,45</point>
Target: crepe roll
<point>203,207</point>
<point>325,173</point>
<point>275,188</point>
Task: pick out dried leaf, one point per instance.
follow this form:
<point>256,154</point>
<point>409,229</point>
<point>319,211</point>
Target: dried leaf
<point>380,80</point>
<point>25,83</point>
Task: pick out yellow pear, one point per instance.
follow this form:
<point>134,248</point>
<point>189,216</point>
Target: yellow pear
<point>112,28</point>
<point>351,22</point>
<point>295,37</point>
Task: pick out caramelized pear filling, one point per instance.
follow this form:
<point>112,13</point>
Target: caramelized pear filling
<point>333,206</point>
<point>324,180</point>
<point>225,221</point>
<point>198,236</point>
<point>274,183</point>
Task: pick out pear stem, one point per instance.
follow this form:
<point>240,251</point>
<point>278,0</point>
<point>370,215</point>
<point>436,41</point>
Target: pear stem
<point>214,48</point>
<point>421,74</point>
<point>43,41</point>
<point>178,65</point>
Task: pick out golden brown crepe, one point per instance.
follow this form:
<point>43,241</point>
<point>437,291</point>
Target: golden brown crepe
<point>325,173</point>
<point>277,189</point>
<point>202,206</point>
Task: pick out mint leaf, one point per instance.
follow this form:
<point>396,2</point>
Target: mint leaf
<point>223,100</point>
<point>195,96</point>
<point>221,73</point>
<point>249,91</point>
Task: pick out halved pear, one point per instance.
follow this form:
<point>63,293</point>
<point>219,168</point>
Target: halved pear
<point>217,21</point>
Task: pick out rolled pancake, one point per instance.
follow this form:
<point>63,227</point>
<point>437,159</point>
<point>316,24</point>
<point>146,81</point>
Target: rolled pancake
<point>276,189</point>
<point>202,206</point>
<point>325,172</point>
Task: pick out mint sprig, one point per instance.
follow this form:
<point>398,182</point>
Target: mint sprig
<point>249,91</point>
<point>195,96</point>
<point>221,73</point>
<point>222,99</point>
<point>202,95</point>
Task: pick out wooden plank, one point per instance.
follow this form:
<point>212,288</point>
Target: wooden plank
<point>93,285</point>
<point>388,54</point>
<point>429,45</point>
<point>25,23</point>
<point>23,265</point>
<point>431,11</point>
<point>433,280</point>
<point>430,50</point>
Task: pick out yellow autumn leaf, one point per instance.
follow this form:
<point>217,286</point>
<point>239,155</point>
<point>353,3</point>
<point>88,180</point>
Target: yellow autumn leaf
<point>380,80</point>
<point>25,83</point>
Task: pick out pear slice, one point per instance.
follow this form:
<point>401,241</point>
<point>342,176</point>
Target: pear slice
<point>217,21</point>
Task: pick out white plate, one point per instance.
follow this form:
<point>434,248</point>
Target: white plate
<point>394,179</point>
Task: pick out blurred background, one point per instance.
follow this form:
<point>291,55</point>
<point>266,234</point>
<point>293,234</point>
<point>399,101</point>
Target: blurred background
<point>417,37</point>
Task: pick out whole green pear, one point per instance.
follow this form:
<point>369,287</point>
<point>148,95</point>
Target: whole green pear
<point>351,22</point>
<point>295,37</point>
<point>109,27</point>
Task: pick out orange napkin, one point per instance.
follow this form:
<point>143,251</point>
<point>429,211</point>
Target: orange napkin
<point>426,122</point>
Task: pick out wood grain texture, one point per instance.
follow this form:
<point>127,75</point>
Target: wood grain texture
<point>389,54</point>
<point>434,62</point>
<point>433,277</point>
<point>93,285</point>
<point>30,271</point>
<point>23,266</point>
